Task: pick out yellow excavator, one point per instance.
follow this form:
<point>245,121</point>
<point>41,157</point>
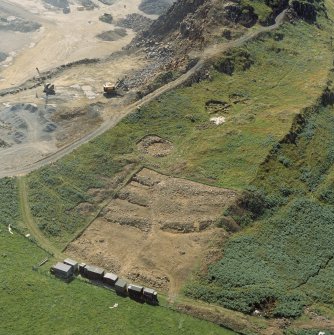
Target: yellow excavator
<point>111,89</point>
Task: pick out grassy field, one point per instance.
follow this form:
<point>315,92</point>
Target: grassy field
<point>33,302</point>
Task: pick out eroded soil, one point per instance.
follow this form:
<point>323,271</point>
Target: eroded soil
<point>156,231</point>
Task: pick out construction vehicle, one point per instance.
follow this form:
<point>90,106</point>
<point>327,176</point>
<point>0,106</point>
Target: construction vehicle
<point>111,89</point>
<point>49,89</point>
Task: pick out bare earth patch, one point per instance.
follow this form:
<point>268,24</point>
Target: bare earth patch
<point>156,231</point>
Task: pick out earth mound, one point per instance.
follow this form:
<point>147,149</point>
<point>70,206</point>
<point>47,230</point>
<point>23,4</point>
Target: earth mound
<point>112,35</point>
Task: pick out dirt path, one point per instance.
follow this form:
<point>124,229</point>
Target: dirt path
<point>28,220</point>
<point>207,54</point>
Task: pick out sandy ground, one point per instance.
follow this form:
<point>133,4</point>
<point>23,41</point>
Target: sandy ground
<point>79,105</point>
<point>62,38</point>
<point>167,225</point>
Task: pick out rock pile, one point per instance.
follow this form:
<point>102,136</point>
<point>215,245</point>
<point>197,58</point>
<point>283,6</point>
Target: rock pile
<point>3,56</point>
<point>61,4</point>
<point>107,18</point>
<point>135,22</point>
<point>112,35</point>
<point>18,24</point>
<point>154,7</point>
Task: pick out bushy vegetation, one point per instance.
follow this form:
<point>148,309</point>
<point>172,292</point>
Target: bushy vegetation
<point>284,259</point>
<point>234,60</point>
<point>275,264</point>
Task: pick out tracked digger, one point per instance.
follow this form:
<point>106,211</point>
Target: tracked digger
<point>111,89</point>
<point>49,89</point>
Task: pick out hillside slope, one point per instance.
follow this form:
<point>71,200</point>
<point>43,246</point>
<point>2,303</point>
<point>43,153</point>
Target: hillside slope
<point>190,24</point>
<point>282,259</point>
<point>257,122</point>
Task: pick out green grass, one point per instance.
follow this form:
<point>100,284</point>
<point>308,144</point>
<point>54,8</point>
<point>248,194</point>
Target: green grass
<point>284,260</point>
<point>34,302</point>
<point>260,8</point>
<point>228,155</point>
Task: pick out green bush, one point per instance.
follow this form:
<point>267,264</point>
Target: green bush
<point>276,259</point>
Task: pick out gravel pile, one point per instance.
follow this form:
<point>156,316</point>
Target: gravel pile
<point>88,4</point>
<point>161,57</point>
<point>3,56</point>
<point>17,24</point>
<point>108,2</point>
<point>57,3</point>
<point>112,35</point>
<point>19,121</point>
<point>107,18</point>
<point>135,22</point>
<point>154,7</point>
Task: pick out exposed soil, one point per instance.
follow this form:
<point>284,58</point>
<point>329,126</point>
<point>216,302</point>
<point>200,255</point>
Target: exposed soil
<point>155,146</point>
<point>61,39</point>
<point>156,231</point>
<point>79,106</point>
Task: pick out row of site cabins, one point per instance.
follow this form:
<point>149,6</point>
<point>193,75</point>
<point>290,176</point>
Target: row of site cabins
<point>69,268</point>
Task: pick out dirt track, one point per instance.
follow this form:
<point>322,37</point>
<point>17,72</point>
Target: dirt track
<point>29,221</point>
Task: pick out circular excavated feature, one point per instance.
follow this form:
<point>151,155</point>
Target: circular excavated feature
<point>155,146</point>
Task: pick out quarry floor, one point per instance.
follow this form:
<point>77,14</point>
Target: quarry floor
<point>33,125</point>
